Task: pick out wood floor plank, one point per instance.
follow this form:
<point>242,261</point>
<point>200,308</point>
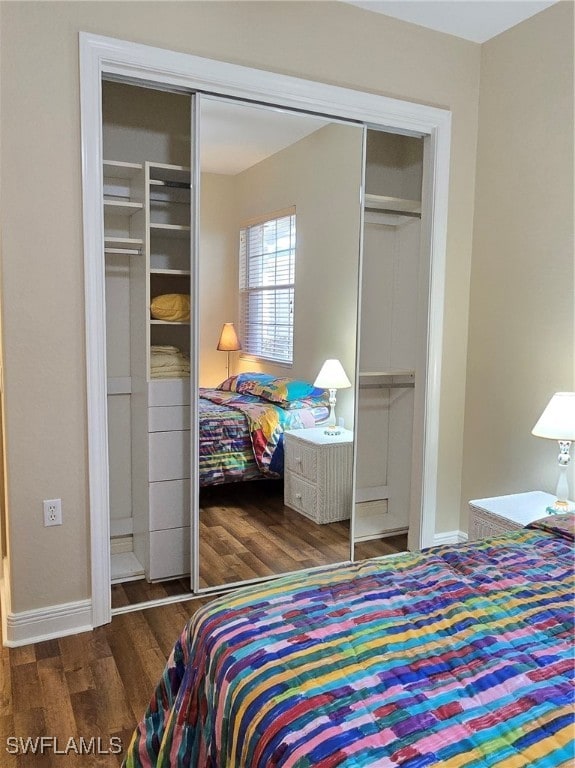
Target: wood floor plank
<point>30,725</point>
<point>130,681</point>
<point>7,730</point>
<point>56,698</point>
<point>5,688</point>
<point>22,655</point>
<point>76,651</point>
<point>112,696</point>
<point>25,687</point>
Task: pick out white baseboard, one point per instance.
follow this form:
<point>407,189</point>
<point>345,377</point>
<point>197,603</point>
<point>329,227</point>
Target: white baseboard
<point>449,537</point>
<point>41,624</point>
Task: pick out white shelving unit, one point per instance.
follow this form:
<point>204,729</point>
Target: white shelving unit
<point>147,248</point>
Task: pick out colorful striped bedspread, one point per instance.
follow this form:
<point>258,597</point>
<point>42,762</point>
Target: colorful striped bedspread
<point>226,453</point>
<point>459,657</point>
<point>241,435</point>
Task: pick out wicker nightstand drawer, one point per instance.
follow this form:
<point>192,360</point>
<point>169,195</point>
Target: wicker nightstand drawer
<point>300,495</point>
<point>301,459</point>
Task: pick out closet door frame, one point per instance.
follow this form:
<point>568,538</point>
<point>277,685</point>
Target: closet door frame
<point>112,58</point>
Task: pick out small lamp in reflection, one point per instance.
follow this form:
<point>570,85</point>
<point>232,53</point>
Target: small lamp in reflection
<point>229,342</point>
<point>332,377</point>
<point>557,422</point>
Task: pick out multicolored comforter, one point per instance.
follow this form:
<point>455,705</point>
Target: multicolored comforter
<point>241,435</point>
<point>459,656</point>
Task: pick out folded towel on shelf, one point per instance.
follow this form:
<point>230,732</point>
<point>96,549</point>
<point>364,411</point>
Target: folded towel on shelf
<point>168,362</point>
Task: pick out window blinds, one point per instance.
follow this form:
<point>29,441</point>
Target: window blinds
<point>267,274</point>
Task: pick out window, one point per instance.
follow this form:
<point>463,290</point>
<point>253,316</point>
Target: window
<point>267,273</point>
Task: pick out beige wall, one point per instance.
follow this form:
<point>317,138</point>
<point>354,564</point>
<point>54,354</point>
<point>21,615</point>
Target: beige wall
<point>42,231</point>
<point>218,272</point>
<point>521,332</point>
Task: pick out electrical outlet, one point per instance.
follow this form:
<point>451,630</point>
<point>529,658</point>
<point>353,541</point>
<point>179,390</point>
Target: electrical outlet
<point>52,512</point>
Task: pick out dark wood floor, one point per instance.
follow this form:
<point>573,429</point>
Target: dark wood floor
<point>246,532</point>
<point>96,684</point>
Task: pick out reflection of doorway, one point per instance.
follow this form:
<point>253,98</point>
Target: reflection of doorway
<point>393,329</point>
<point>100,55</point>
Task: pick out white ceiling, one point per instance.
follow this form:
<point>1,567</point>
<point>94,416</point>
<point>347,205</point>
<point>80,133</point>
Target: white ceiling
<point>236,136</point>
<point>476,20</point>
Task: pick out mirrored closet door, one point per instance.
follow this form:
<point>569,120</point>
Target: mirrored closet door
<point>278,270</point>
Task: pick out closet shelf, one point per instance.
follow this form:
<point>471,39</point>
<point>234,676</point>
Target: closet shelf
<point>177,186</point>
<point>394,204</point>
<point>389,372</point>
<point>181,272</point>
<point>115,169</point>
<point>125,207</point>
<point>123,251</point>
<point>170,230</point>
<point>131,243</point>
<point>396,378</point>
<point>169,322</point>
<point>164,172</point>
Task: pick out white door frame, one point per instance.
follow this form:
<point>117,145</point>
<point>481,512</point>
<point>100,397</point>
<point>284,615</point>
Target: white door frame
<point>101,56</point>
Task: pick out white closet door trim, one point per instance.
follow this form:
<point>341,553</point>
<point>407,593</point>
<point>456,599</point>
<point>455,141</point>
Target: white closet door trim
<point>126,60</point>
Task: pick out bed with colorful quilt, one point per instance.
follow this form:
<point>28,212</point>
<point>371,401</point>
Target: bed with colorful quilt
<point>457,656</point>
<point>242,424</point>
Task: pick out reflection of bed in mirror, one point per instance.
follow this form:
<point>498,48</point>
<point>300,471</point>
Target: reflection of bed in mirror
<point>241,428</point>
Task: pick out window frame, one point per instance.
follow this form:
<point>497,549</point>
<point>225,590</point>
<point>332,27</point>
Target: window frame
<point>245,290</point>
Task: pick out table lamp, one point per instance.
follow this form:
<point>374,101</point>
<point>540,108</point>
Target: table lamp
<point>229,342</point>
<point>557,422</point>
<point>332,377</point>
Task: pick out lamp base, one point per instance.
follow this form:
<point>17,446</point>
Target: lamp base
<point>560,507</point>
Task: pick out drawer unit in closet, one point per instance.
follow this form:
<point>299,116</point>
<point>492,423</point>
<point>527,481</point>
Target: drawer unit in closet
<point>169,392</point>
<point>169,456</point>
<point>169,553</point>
<point>167,418</point>
<point>169,484</point>
<point>318,474</point>
<point>169,504</point>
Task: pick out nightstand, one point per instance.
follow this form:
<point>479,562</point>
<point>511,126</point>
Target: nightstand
<point>318,473</point>
<point>500,514</point>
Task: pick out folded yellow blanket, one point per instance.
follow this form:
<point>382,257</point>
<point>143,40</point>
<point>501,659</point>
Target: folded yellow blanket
<point>174,307</point>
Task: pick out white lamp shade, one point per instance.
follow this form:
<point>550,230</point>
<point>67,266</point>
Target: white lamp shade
<point>557,422</point>
<point>332,376</point>
<point>229,341</point>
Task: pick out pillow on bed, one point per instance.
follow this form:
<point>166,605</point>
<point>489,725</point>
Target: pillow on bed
<point>289,393</point>
<point>174,307</point>
<point>562,525</point>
